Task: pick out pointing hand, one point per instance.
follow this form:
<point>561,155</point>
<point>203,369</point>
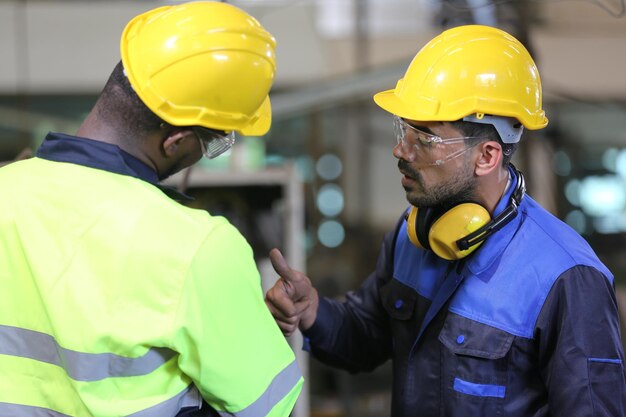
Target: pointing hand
<point>292,300</point>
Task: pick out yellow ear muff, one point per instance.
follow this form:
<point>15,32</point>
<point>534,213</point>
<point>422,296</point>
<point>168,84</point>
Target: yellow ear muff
<point>440,234</point>
<point>465,226</point>
<point>411,227</point>
<point>453,225</point>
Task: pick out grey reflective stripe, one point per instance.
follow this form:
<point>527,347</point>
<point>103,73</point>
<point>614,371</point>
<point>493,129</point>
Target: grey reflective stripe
<point>79,366</point>
<point>189,397</point>
<point>281,385</point>
<point>18,410</point>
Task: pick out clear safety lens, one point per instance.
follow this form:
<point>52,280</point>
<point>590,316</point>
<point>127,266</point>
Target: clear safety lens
<point>425,148</point>
<point>406,132</point>
<point>214,142</point>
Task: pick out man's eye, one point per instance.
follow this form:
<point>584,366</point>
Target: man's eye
<point>424,140</point>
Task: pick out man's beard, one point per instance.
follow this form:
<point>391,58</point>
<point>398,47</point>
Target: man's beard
<point>168,173</point>
<point>178,166</point>
<point>459,189</point>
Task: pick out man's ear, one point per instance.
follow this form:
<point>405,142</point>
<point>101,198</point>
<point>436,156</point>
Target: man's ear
<point>490,157</point>
<point>173,140</point>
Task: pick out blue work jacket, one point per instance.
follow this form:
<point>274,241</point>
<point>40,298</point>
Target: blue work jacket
<point>526,326</point>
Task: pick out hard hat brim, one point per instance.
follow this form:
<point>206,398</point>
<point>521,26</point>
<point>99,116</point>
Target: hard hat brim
<point>389,101</point>
<point>427,110</point>
<point>263,121</point>
<point>430,110</point>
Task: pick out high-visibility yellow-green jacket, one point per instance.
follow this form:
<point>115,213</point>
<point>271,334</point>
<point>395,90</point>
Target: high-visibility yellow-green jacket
<point>116,300</point>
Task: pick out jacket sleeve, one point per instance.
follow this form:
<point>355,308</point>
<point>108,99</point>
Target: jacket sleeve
<point>355,334</point>
<point>580,350</point>
<point>229,345</point>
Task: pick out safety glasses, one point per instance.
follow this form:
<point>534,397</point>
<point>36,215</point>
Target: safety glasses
<point>429,149</point>
<point>406,132</point>
<point>214,142</point>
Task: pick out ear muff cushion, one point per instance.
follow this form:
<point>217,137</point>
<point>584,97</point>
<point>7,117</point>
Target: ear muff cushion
<point>411,227</point>
<point>419,221</point>
<point>453,225</point>
<point>425,219</point>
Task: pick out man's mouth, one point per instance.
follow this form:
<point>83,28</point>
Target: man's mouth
<point>406,171</point>
<point>407,181</point>
<point>406,174</point>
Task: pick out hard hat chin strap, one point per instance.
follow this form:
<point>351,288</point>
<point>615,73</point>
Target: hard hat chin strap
<point>509,128</point>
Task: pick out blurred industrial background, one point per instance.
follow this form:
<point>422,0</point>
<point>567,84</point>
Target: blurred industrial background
<point>323,184</point>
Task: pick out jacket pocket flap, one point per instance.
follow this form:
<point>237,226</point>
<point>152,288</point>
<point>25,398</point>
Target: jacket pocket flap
<point>464,336</point>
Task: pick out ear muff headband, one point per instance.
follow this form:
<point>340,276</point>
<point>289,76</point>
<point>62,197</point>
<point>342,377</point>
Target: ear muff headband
<point>501,219</point>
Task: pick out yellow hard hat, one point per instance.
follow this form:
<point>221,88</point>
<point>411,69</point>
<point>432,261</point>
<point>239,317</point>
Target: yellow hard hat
<point>202,64</point>
<point>469,70</point>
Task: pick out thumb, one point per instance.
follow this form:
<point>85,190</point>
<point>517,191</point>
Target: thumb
<point>280,265</point>
<point>292,279</point>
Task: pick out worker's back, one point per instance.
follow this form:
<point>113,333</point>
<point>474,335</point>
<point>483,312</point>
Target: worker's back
<point>115,299</point>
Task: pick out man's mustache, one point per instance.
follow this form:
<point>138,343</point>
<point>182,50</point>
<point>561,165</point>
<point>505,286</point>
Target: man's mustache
<point>407,169</point>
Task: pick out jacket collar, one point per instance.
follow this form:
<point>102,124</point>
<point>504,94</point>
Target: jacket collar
<point>488,255</point>
<point>60,147</point>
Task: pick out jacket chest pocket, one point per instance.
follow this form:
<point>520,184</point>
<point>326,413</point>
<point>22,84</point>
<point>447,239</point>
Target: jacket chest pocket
<point>402,306</point>
<point>474,367</point>
<point>398,300</point>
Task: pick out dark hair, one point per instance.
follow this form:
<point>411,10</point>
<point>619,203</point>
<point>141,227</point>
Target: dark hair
<point>488,133</point>
<point>119,104</point>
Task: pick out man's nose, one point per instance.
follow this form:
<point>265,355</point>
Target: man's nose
<point>400,152</point>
